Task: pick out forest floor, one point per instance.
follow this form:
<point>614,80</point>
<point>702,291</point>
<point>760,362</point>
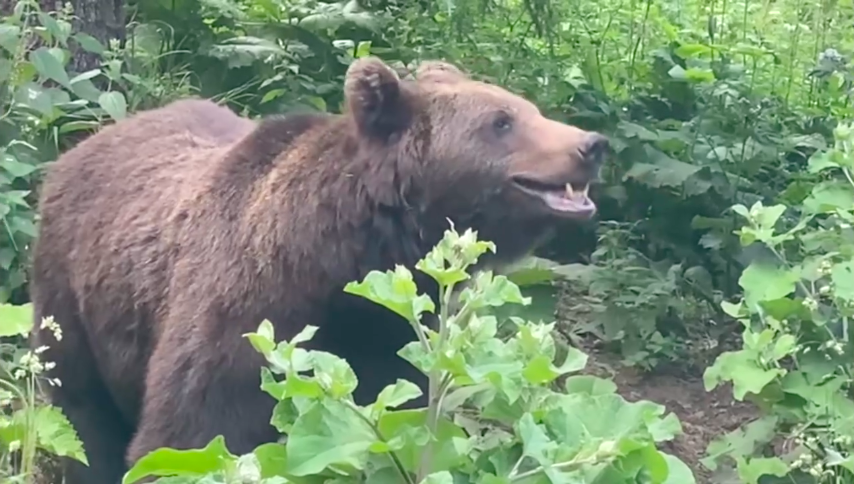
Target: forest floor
<point>704,415</point>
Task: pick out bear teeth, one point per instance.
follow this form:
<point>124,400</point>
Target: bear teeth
<point>571,193</point>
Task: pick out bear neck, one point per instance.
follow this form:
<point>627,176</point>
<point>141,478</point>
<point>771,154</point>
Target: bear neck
<point>304,182</point>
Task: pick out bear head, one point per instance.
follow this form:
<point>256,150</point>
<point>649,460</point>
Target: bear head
<point>474,153</point>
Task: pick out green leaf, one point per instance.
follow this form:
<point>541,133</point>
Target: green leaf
<point>827,197</point>
<point>822,160</point>
<point>632,130</point>
<point>763,282</point>
<point>334,373</point>
<point>678,471</point>
<point>842,276</point>
<point>213,457</point>
<point>272,458</point>
<point>663,171</point>
<point>9,37</point>
<point>750,470</point>
<point>16,320</point>
<point>835,459</point>
<point>410,426</point>
<point>535,443</point>
<point>15,167</point>
<point>85,76</point>
<point>540,369</point>
<point>264,339</point>
<point>686,51</point>
<point>590,385</point>
<point>50,428</point>
<point>394,290</point>
<point>48,65</point>
<point>114,104</point>
<point>397,394</point>
<point>89,43</point>
<point>740,368</point>
<point>328,434</point>
<point>741,441</point>
<point>441,477</point>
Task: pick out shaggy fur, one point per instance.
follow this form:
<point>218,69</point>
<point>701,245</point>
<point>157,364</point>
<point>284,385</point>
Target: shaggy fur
<point>168,235</point>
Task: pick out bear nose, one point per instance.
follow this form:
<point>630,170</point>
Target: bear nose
<point>594,149</point>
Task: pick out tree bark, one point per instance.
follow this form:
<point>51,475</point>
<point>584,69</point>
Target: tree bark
<point>103,20</point>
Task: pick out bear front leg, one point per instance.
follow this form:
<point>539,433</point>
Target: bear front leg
<point>198,388</point>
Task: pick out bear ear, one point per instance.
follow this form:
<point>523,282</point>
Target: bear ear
<point>439,71</point>
<point>375,98</point>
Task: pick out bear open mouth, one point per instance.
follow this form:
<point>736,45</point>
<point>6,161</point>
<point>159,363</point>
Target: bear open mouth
<point>570,199</point>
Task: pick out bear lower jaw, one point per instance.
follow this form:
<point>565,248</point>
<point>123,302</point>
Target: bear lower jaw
<point>577,206</point>
<point>567,203</point>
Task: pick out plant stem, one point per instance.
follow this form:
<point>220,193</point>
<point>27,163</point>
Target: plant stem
<point>436,391</point>
<point>395,460</point>
<point>513,476</point>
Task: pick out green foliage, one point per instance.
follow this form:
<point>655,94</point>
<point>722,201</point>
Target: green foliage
<point>27,425</point>
<point>44,105</point>
<point>797,358</point>
<point>496,412</point>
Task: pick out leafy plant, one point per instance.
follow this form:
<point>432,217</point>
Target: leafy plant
<point>797,360</point>
<point>29,429</point>
<point>496,412</point>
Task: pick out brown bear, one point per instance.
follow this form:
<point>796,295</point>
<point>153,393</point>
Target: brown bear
<point>168,235</point>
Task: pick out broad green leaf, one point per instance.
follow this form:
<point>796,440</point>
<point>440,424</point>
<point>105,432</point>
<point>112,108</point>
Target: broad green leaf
<point>763,282</point>
<point>822,160</point>
<point>750,470</point>
<point>678,471</point>
<point>16,168</point>
<point>264,339</point>
<point>632,130</point>
<point>16,320</point>
<point>335,373</point>
<point>85,76</point>
<point>328,434</point>
<point>410,425</point>
<point>89,43</point>
<point>9,37</point>
<point>661,170</point>
<point>114,104</point>
<point>396,394</point>
<point>692,50</point>
<point>842,276</point>
<point>493,291</point>
<point>741,441</point>
<point>213,457</point>
<point>590,385</point>
<point>740,368</point>
<point>441,477</point>
<point>395,290</point>
<point>830,196</point>
<point>531,270</point>
<point>48,65</point>
<point>835,459</point>
<point>272,458</point>
<point>535,443</point>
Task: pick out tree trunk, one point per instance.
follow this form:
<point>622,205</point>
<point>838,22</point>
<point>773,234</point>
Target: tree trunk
<point>102,19</point>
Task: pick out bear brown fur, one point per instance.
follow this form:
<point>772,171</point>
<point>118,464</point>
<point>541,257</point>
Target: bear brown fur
<point>168,235</point>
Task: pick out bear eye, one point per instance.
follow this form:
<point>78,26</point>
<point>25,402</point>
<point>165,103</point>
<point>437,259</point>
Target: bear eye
<point>502,123</point>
